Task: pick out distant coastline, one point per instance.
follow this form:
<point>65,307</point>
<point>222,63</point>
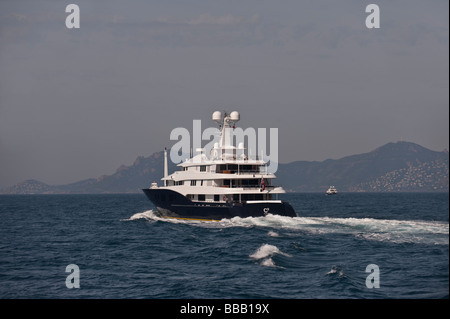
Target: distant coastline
<point>393,167</point>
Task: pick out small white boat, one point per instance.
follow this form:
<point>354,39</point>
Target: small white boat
<point>332,190</point>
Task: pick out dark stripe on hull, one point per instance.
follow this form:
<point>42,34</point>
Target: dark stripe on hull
<point>175,205</point>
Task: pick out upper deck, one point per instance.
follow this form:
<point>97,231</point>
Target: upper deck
<point>223,170</point>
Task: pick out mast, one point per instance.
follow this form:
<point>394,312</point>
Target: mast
<point>165,166</point>
<point>226,139</point>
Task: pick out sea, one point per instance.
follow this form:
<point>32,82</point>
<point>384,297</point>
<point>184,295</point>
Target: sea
<point>113,246</point>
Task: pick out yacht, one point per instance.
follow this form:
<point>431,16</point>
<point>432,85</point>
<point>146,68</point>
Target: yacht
<point>223,184</point>
<point>332,190</point>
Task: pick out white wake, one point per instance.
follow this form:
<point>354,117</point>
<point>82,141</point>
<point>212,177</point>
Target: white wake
<point>398,231</point>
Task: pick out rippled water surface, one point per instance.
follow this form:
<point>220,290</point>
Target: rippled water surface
<point>123,250</point>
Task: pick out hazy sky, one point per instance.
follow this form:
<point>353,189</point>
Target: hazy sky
<point>78,103</point>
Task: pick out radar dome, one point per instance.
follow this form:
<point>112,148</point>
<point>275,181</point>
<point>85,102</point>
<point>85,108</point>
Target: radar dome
<point>234,116</point>
<point>217,116</point>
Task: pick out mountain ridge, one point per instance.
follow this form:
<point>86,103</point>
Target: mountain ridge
<point>350,171</point>
<point>395,166</point>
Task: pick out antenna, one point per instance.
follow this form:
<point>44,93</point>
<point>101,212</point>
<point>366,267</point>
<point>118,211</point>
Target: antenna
<point>165,166</point>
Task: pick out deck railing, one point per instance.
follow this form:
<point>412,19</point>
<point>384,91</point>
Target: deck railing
<point>246,187</point>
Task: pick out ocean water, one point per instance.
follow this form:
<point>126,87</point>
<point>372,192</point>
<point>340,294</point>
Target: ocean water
<point>123,250</point>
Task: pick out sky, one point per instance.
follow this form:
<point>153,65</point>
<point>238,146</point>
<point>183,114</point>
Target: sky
<point>79,103</point>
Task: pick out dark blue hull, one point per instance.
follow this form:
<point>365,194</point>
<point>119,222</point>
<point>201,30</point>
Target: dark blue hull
<point>174,205</point>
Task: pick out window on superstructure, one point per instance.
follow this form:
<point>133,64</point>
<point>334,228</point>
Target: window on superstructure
<point>216,198</point>
<point>201,197</point>
<point>246,197</point>
<point>202,168</point>
<point>250,182</point>
<point>193,183</point>
<point>249,168</point>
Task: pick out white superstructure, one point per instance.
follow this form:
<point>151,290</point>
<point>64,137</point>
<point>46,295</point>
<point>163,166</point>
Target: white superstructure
<point>226,174</point>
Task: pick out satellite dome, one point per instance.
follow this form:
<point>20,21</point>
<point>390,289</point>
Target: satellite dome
<point>217,116</point>
<point>234,116</point>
